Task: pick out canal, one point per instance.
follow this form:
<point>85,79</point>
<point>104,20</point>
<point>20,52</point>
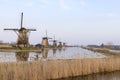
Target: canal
<point>101,76</point>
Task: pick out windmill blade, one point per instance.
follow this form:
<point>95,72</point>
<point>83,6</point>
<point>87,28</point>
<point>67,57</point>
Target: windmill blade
<point>49,38</point>
<point>31,29</point>
<point>53,40</point>
<point>21,19</point>
<point>12,29</point>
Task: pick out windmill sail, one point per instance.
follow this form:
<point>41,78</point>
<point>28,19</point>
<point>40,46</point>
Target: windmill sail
<point>21,19</point>
<point>12,29</point>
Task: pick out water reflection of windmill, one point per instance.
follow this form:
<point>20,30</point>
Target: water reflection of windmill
<point>54,51</point>
<point>22,56</point>
<point>23,34</point>
<point>45,42</point>
<point>45,53</point>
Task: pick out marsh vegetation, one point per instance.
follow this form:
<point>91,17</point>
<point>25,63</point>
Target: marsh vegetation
<point>53,69</point>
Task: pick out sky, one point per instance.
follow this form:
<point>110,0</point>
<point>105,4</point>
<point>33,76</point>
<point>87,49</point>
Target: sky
<point>78,22</point>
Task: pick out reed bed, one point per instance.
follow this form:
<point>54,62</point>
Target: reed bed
<point>53,69</point>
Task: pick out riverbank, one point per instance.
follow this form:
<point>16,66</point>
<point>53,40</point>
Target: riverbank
<point>104,51</point>
<point>30,49</point>
<point>20,50</point>
<point>54,69</point>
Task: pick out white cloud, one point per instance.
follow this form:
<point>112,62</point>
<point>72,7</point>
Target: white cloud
<point>63,5</point>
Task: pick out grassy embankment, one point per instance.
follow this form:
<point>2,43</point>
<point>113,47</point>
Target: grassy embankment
<point>53,69</point>
<point>104,51</point>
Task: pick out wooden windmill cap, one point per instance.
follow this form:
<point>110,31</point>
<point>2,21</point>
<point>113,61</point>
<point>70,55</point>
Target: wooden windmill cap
<point>45,38</point>
<point>22,29</point>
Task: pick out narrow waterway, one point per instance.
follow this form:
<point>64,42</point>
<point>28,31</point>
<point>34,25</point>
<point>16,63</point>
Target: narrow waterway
<point>101,76</point>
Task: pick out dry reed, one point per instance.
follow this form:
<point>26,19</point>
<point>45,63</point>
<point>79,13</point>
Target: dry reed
<point>53,69</point>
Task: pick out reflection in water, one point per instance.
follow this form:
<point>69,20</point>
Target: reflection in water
<point>101,76</point>
<point>73,53</point>
<point>7,57</point>
<point>60,49</point>
<point>64,48</point>
<point>54,50</point>
<point>57,53</point>
<point>36,58</point>
<point>22,56</point>
<point>45,53</point>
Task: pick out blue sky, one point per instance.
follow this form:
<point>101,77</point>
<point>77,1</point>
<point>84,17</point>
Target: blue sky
<point>72,21</point>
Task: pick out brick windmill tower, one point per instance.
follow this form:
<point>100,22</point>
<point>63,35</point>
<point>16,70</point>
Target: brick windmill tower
<point>22,33</point>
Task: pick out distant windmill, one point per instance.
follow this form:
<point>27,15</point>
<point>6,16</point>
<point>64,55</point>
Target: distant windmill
<point>45,42</point>
<point>22,34</point>
<point>60,45</point>
<point>64,44</point>
<point>54,42</point>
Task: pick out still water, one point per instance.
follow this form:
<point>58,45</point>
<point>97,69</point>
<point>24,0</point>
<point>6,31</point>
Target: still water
<point>101,76</point>
<point>46,54</point>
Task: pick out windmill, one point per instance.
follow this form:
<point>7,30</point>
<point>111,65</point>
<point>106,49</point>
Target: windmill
<point>45,42</point>
<point>54,42</point>
<point>60,44</point>
<point>64,45</point>
<point>22,56</point>
<point>22,33</point>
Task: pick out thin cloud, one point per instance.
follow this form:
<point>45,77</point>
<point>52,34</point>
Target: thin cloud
<point>110,15</point>
<point>42,3</point>
<point>83,3</point>
<point>63,5</point>
<point>4,0</point>
<point>107,15</point>
<point>29,4</point>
